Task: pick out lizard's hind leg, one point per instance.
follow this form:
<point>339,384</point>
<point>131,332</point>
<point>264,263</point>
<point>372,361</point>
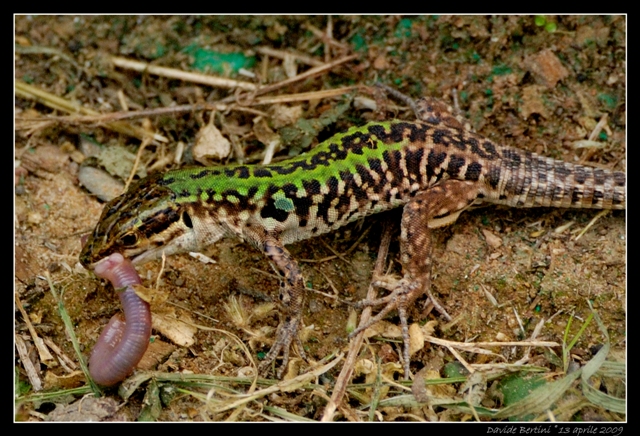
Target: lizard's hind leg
<point>446,199</point>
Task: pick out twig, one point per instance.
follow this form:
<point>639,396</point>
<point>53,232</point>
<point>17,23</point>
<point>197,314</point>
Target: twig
<point>474,346</point>
<point>591,223</point>
<point>45,355</point>
<point>116,116</point>
<point>65,361</point>
<point>460,359</point>
<point>311,72</point>
<point>327,39</point>
<point>281,54</point>
<point>346,253</point>
<point>187,76</point>
<point>304,96</point>
<point>598,128</point>
<point>335,253</point>
<point>143,145</point>
<point>28,366</point>
<point>356,342</point>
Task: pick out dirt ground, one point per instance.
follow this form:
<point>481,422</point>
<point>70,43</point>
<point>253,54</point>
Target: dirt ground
<point>538,83</point>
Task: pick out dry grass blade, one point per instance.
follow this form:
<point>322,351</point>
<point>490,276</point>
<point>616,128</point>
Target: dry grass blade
<point>540,399</point>
<point>51,51</point>
<point>283,386</point>
<point>68,324</point>
<point>595,396</point>
<point>27,91</point>
<point>285,415</point>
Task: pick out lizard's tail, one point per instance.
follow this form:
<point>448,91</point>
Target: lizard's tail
<point>524,179</point>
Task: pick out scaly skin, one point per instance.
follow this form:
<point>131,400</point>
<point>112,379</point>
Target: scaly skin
<point>435,167</point>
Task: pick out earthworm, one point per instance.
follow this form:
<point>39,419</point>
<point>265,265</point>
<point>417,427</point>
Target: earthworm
<point>122,342</point>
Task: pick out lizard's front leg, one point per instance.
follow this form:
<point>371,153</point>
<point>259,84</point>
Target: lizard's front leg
<point>440,204</point>
<point>291,298</point>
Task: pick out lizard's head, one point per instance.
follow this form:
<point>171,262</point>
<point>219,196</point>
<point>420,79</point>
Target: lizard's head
<point>141,224</point>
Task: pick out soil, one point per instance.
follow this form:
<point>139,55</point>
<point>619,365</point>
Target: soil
<point>497,271</point>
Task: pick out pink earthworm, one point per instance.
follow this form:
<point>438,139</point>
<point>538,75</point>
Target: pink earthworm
<point>122,343</point>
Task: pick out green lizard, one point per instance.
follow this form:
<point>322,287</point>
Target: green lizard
<point>435,168</point>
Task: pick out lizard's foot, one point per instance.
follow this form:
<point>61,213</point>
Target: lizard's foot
<point>285,336</point>
<point>403,293</point>
<point>291,297</point>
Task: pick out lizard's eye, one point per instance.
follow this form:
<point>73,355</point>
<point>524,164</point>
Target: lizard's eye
<point>129,240</point>
<point>186,219</point>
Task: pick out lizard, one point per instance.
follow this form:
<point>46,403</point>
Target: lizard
<point>434,168</point>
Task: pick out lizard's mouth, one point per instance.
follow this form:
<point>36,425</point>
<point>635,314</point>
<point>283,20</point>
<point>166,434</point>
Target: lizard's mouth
<point>91,256</point>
